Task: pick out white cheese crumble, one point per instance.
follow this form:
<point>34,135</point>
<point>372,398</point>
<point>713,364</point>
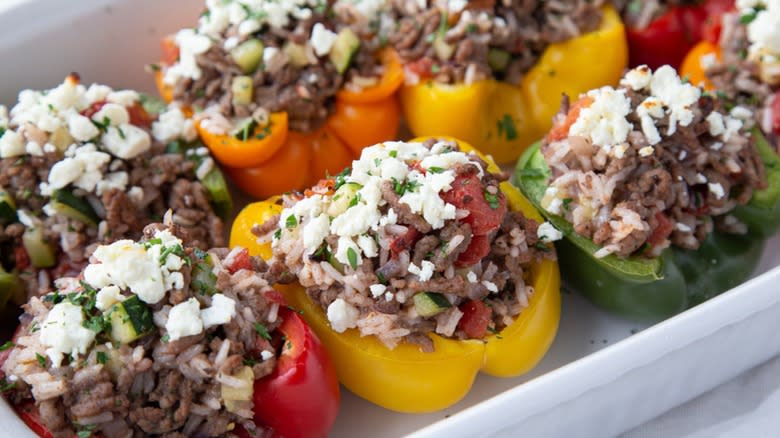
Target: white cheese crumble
<point>191,44</point>
<point>377,290</point>
<point>604,120</point>
<point>678,97</point>
<point>107,297</point>
<point>222,310</point>
<point>763,33</point>
<point>184,320</point>
<point>424,271</point>
<point>173,124</point>
<point>342,315</point>
<point>717,190</point>
<point>63,332</point>
<point>265,355</point>
<point>322,39</point>
<point>83,168</point>
<point>126,141</point>
<point>548,233</point>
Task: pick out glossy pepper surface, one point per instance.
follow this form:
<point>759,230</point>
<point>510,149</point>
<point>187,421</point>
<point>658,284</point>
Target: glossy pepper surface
<point>505,118</point>
<point>406,379</point>
<point>266,160</point>
<point>648,289</point>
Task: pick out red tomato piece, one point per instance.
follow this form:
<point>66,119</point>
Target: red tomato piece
<point>662,231</point>
<point>240,261</point>
<point>301,397</point>
<point>405,242</point>
<point>29,413</point>
<point>476,318</point>
<point>476,251</point>
<point>275,296</point>
<point>421,67</point>
<point>486,211</point>
<point>775,108</point>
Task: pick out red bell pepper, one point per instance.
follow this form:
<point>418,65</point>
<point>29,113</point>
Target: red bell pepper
<point>668,38</point>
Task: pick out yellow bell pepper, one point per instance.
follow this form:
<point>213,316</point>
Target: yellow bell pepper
<point>406,379</point>
<point>506,118</point>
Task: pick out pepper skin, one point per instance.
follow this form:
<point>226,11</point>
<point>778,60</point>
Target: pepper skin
<point>506,118</point>
<point>274,159</point>
<point>639,288</point>
<point>406,379</point>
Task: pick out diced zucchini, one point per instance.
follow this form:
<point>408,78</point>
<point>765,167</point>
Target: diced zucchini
<point>113,360</point>
<point>221,201</point>
<point>242,88</point>
<point>244,128</point>
<point>7,208</point>
<point>296,53</point>
<point>61,138</point>
<point>203,278</point>
<point>233,397</point>
<point>343,198</point>
<point>152,104</point>
<point>498,59</point>
<point>40,252</point>
<point>10,287</point>
<point>130,320</point>
<point>430,303</point>
<point>69,205</point>
<point>444,51</point>
<point>345,46</point>
<point>335,263</point>
<point>248,55</point>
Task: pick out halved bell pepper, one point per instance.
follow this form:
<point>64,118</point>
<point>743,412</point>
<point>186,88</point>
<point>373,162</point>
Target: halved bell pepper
<point>670,36</point>
<point>272,159</point>
<point>406,379</point>
<point>648,289</point>
<point>506,118</point>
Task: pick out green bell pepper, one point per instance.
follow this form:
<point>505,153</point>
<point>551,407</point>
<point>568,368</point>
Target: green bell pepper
<point>762,213</point>
<point>651,289</point>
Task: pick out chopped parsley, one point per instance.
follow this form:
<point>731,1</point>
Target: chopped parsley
<point>381,277</point>
<point>250,362</point>
<point>435,169</point>
<point>506,127</point>
<point>750,16</point>
<point>246,131</point>
<point>393,154</point>
<point>262,331</point>
<point>102,125</point>
<point>41,359</point>
<point>341,178</point>
<point>121,133</point>
<point>352,257</point>
<point>97,324</point>
<point>85,431</point>
<point>495,332</point>
<point>278,234</point>
<point>291,222</point>
<point>6,346</point>
<point>354,201</point>
<point>435,69</point>
<point>401,187</point>
<point>566,202</point>
<point>322,253</point>
<point>165,338</point>
<point>175,250</point>
<point>491,199</point>
<point>6,386</point>
<point>101,357</point>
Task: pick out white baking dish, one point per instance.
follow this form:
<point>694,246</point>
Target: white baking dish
<point>602,376</point>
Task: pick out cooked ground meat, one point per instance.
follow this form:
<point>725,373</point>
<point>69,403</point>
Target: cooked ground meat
<point>488,39</point>
<point>157,384</point>
<point>481,253</point>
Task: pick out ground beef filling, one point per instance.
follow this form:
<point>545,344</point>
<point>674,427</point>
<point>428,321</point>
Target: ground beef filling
<point>153,385</point>
<point>491,39</point>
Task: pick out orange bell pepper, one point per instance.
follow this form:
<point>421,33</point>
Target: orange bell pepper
<point>272,159</point>
<point>691,67</point>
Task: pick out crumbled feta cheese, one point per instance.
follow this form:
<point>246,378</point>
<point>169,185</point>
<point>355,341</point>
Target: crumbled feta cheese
<point>347,246</point>
<point>114,180</point>
<point>715,123</point>
<point>424,271</point>
<point>700,178</point>
<point>123,97</point>
<point>81,128</point>
<point>222,310</point>
<point>322,39</point>
<point>548,233</point>
<point>107,297</point>
<point>425,200</point>
<point>126,141</point>
<point>649,109</point>
<point>265,355</point>
<point>84,169</point>
<point>368,245</point>
<point>11,144</point>
<point>184,320</point>
<point>190,45</point>
<point>112,114</point>
<point>377,290</point>
<point>708,61</point>
<point>63,332</point>
<point>619,151</point>
<point>315,232</point>
<point>205,166</point>
<point>763,33</point>
<point>677,96</point>
<point>604,121</point>
<point>173,125</point>
<point>342,315</point>
<point>741,113</point>
<point>638,78</point>
<point>717,190</point>
<point>646,151</point>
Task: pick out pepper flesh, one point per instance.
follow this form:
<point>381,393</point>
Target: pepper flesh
<point>406,379</point>
<point>639,288</point>
<point>506,118</point>
<point>261,164</point>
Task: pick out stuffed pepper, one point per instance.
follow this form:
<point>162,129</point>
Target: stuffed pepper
<point>418,268</point>
<point>284,92</point>
<point>157,337</point>
<point>83,165</point>
<point>661,32</point>
<point>647,182</point>
<point>489,72</point>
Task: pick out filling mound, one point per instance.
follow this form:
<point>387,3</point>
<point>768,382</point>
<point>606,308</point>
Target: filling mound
<point>154,337</point>
<point>652,163</point>
<point>80,166</point>
<point>415,238</point>
<point>461,41</point>
<point>248,58</point>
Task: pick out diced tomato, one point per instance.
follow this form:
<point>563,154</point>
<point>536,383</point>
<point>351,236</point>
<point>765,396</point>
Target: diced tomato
<point>323,187</point>
<point>170,51</point>
<point>476,318</point>
<point>477,250</point>
<point>240,261</point>
<point>775,108</point>
<point>29,413</point>
<point>421,67</point>
<point>713,24</point>
<point>662,231</point>
<point>404,242</point>
<point>92,109</point>
<point>561,130</point>
<point>486,211</point>
<point>22,258</point>
<point>274,296</point>
<point>139,116</point>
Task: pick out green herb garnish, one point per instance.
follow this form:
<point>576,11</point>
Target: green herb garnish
<point>262,331</point>
<point>352,257</point>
